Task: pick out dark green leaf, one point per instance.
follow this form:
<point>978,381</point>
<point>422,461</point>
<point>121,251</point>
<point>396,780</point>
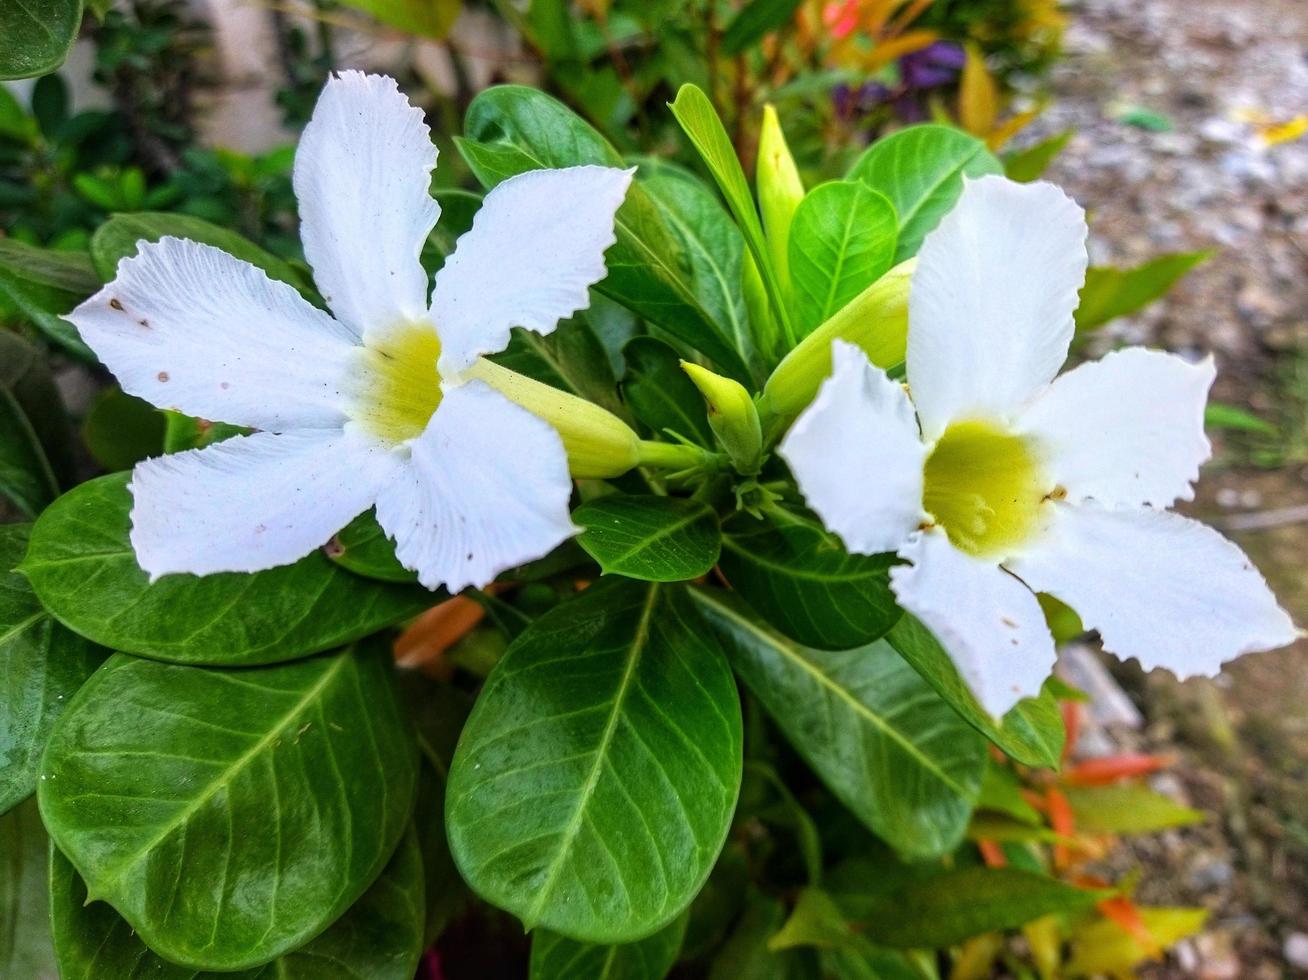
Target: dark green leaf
<point>571,359</point>
<point>82,566</point>
<point>1030,164</point>
<point>660,394</point>
<point>921,170</point>
<point>26,479</point>
<point>230,816</point>
<point>25,374</point>
<point>799,578</point>
<point>753,22</point>
<point>120,430</point>
<point>945,909</point>
<point>30,408</point>
<point>1110,293</point>
<point>120,236</point>
<point>43,285</point>
<point>595,781</point>
<point>1031,733</point>
<point>379,937</point>
<point>894,752</point>
<point>26,952</point>
<point>43,665</point>
<point>363,547</point>
<point>37,35</point>
<point>842,239</point>
<point>554,957</point>
<point>815,920</point>
<point>510,129</point>
<point>746,953</point>
<point>656,539</point>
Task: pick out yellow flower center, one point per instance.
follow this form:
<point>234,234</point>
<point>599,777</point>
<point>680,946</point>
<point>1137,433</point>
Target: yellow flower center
<point>402,387</point>
<point>984,487</point>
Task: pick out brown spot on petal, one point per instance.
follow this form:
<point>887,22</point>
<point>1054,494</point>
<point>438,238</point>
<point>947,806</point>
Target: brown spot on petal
<point>162,375</point>
<point>1008,622</point>
<point>116,304</point>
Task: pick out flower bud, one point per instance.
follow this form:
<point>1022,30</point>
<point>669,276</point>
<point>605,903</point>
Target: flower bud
<point>732,416</point>
<point>876,320</point>
<point>599,444</point>
<point>779,190</point>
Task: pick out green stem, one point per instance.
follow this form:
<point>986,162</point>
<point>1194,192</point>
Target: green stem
<point>669,455</point>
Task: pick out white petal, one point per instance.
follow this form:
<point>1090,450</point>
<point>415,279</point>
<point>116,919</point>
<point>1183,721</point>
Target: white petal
<point>187,326</point>
<point>1158,587</point>
<point>990,310</point>
<point>363,178</point>
<point>251,502</point>
<point>857,457</point>
<point>534,250</point>
<point>988,621</point>
<point>486,489</point>
<point>1125,430</point>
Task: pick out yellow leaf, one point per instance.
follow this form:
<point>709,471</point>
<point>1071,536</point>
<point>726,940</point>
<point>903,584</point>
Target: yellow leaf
<point>888,51</point>
<point>977,958</point>
<point>1286,132</point>
<point>978,95</point>
<point>1102,946</point>
<point>1006,130</point>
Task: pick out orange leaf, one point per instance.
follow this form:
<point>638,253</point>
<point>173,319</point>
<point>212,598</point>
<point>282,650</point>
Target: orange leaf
<point>1072,722</point>
<point>435,631</point>
<point>992,854</point>
<point>1062,821</point>
<point>887,51</point>
<point>1098,772</point>
<point>1126,914</point>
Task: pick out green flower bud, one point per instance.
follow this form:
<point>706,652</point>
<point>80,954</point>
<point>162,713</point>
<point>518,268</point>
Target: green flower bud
<point>779,190</point>
<point>732,416</point>
<point>875,320</point>
<point>599,444</point>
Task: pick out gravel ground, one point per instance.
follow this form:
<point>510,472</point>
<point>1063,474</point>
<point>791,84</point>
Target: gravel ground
<point>1209,67</point>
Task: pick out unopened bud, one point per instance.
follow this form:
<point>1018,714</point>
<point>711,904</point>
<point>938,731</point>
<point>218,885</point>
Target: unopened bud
<point>732,416</point>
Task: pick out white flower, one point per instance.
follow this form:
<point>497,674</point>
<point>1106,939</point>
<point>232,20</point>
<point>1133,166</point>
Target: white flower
<point>366,408</point>
<point>997,481</point>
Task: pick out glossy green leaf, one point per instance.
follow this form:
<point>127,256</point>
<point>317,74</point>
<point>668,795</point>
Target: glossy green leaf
<point>31,416</point>
<point>798,577</point>
<point>1109,293</point>
<point>594,782</point>
<point>156,775</point>
<point>379,938</point>
<point>571,359</point>
<point>82,566</point>
<point>1031,733</point>
<point>120,430</point>
<point>26,950</point>
<point>43,664</point>
<point>702,126</point>
<point>1031,163</point>
<point>756,20</point>
<point>38,35</point>
<point>43,285</point>
<point>1127,808</point>
<point>944,909</point>
<point>554,957</point>
<point>659,394</point>
<point>921,170</point>
<point>884,743</point>
<point>510,129</point>
<point>363,547</point>
<point>842,239</point>
<point>656,539</point>
<point>121,236</point>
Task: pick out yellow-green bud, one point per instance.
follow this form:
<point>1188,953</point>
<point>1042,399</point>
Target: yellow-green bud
<point>779,190</point>
<point>732,416</point>
<point>599,444</point>
<point>876,320</point>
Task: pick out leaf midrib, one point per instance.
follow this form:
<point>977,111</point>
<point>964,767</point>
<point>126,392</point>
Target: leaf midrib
<point>634,650</point>
<point>791,571</point>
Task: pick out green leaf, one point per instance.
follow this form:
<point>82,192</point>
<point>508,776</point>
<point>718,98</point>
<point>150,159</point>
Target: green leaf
<point>842,239</point>
<point>120,237</point>
<point>1001,792</point>
<point>554,957</point>
<point>1219,415</point>
<point>425,18</point>
<point>378,938</point>
<point>363,547</point>
<point>659,394</point>
<point>1031,733</point>
<point>43,665</point>
<point>30,408</point>
<point>510,129</point>
<point>38,35</point>
<point>815,920</point>
<point>120,430</point>
<point>571,359</point>
<point>891,750</point>
<point>1127,808</point>
<point>43,285</point>
<point>1030,164</point>
<point>921,170</point>
<point>753,22</point>
<point>655,539</point>
<point>799,578</point>
<point>82,566</point>
<point>746,953</point>
<point>594,782</point>
<point>945,909</point>
<point>26,952</point>
<point>1103,947</point>
<point>230,816</point>
<point>1110,293</point>
<point>701,124</point>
